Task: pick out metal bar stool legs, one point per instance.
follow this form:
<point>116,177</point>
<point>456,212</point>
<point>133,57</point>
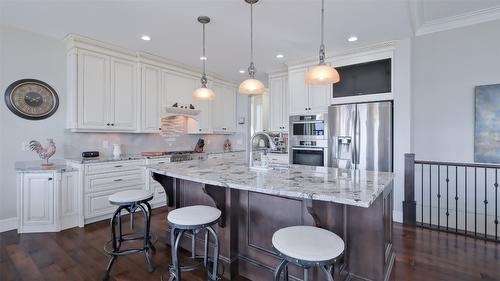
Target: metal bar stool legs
<point>176,268</point>
<point>132,201</point>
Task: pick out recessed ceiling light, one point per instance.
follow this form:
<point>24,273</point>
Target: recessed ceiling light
<point>203,58</point>
<point>280,56</point>
<point>145,38</point>
<point>242,71</point>
<point>352,39</point>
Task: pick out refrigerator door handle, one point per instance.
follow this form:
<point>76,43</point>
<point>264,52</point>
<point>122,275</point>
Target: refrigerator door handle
<point>357,132</point>
<point>354,145</point>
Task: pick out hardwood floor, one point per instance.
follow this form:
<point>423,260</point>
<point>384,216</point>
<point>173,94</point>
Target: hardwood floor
<point>76,254</point>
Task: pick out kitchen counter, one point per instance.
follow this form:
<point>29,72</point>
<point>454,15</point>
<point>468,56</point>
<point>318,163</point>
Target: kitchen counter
<point>36,167</point>
<point>350,187</point>
<point>127,157</point>
<point>356,205</point>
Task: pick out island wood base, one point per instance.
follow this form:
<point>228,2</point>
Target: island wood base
<point>249,220</point>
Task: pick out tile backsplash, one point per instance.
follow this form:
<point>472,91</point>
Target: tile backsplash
<point>76,143</point>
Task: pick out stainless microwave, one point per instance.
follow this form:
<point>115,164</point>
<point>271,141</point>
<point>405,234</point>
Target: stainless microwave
<point>308,127</point>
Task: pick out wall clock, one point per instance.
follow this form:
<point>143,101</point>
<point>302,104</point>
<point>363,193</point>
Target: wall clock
<point>31,99</point>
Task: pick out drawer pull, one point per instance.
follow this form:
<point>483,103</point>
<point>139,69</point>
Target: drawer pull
<point>118,179</point>
<point>118,166</point>
<point>161,192</point>
<point>162,162</point>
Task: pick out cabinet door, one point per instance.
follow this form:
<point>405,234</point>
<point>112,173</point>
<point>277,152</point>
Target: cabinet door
<point>151,102</point>
<point>93,90</point>
<point>38,200</point>
<point>319,97</point>
<point>224,109</point>
<point>298,91</point>
<point>123,106</point>
<point>180,88</point>
<point>286,105</point>
<point>276,104</point>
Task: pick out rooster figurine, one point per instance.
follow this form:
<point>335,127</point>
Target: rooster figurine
<point>44,153</point>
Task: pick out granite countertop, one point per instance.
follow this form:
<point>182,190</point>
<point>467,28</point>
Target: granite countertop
<point>36,167</point>
<point>128,157</point>
<point>350,187</point>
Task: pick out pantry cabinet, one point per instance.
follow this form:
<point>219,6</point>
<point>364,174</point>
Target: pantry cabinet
<point>278,103</point>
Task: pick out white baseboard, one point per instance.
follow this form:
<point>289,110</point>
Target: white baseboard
<point>397,216</point>
<point>8,224</point>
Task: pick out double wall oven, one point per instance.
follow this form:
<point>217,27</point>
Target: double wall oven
<point>308,139</point>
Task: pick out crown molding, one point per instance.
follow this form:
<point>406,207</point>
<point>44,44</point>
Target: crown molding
<point>462,20</point>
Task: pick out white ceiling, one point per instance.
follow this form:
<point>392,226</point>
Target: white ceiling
<point>290,27</point>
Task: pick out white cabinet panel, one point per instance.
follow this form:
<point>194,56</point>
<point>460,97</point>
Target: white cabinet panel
<point>307,99</point>
<point>180,88</point>
<point>279,104</point>
<point>151,99</point>
<point>224,109</point>
<point>93,90</point>
<point>299,102</point>
<point>123,107</point>
<point>319,97</point>
<point>37,201</point>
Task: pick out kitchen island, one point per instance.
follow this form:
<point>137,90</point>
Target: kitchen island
<point>356,205</point>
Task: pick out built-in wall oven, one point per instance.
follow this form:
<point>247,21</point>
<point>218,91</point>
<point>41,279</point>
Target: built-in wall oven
<point>308,139</point>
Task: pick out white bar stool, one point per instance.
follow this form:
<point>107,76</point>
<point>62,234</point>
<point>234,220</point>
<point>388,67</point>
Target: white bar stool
<point>307,246</point>
<point>130,200</point>
<point>193,219</point>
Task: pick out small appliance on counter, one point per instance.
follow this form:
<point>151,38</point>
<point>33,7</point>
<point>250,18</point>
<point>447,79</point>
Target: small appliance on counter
<point>280,141</point>
<point>90,154</point>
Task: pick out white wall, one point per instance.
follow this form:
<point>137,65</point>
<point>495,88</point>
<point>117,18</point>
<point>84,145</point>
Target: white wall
<point>27,55</point>
<point>446,68</point>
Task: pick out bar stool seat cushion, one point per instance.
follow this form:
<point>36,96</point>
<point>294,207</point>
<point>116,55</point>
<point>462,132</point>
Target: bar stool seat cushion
<point>129,196</point>
<point>308,243</point>
<point>194,215</point>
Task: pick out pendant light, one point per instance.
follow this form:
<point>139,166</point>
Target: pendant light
<point>251,86</point>
<point>322,74</point>
<point>203,93</point>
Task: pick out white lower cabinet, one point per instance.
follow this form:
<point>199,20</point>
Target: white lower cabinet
<point>47,201</point>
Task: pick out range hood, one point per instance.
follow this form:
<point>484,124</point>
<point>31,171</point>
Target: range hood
<point>180,111</point>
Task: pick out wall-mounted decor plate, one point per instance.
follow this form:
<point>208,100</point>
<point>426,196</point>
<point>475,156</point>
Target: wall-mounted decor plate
<point>31,99</point>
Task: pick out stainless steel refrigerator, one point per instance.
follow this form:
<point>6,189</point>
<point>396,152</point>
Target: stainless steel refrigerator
<point>360,136</point>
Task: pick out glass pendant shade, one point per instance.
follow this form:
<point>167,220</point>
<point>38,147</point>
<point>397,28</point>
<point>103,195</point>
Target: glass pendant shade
<point>322,74</point>
<point>252,86</point>
<point>203,93</point>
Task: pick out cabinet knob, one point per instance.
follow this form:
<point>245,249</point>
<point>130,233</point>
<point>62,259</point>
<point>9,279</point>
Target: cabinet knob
<point>112,124</point>
<point>107,124</point>
<point>199,130</point>
<point>49,179</point>
<point>159,129</point>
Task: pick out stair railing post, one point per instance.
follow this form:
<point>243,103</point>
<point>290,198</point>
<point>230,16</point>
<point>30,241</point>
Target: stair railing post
<point>409,203</point>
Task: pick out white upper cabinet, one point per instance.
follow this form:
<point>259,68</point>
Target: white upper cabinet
<point>224,108</point>
<point>307,99</point>
<point>124,99</point>
<point>180,88</point>
<point>298,91</point>
<point>106,93</point>
<point>151,99</point>
<point>115,90</point>
<point>278,103</point>
<point>93,90</point>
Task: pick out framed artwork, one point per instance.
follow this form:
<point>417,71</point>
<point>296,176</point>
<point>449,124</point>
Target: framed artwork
<point>487,124</point>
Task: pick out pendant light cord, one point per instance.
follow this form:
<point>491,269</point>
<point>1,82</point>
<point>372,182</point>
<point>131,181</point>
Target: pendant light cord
<point>251,68</point>
<point>322,46</point>
<point>204,76</point>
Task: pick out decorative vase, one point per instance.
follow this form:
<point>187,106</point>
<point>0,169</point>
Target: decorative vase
<point>117,150</point>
